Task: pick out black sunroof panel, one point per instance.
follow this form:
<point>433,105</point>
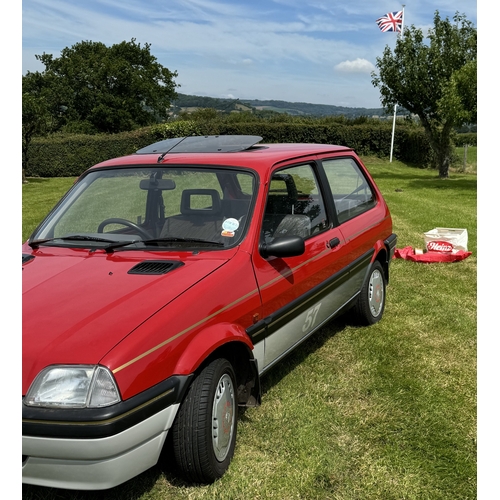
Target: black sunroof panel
<point>202,144</point>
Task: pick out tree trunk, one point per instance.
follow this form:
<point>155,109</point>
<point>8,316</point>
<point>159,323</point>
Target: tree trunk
<point>444,166</point>
<point>441,144</point>
<point>26,142</point>
<point>445,154</point>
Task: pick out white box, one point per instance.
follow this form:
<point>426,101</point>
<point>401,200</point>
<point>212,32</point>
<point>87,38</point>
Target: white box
<point>446,240</point>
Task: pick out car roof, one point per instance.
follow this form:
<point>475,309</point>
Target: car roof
<point>231,150</point>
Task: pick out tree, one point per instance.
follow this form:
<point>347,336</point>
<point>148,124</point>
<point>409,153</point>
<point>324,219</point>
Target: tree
<point>93,88</point>
<point>437,81</point>
<point>36,119</point>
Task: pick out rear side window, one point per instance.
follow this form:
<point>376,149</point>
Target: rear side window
<point>351,191</point>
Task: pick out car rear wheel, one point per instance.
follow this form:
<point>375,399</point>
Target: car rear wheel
<point>204,432</point>
<point>370,305</point>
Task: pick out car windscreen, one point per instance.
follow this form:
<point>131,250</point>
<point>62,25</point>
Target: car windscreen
<point>154,207</point>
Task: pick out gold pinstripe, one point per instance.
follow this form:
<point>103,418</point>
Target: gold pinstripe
<point>354,235</point>
<point>240,299</point>
<point>186,330</point>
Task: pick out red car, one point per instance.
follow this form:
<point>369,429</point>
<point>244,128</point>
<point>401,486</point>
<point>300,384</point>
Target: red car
<point>164,284</point>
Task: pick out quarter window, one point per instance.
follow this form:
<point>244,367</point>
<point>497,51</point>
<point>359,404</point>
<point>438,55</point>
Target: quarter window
<point>352,195</point>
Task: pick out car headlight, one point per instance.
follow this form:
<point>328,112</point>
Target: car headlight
<point>73,386</point>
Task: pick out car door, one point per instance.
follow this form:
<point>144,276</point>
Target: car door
<point>302,292</point>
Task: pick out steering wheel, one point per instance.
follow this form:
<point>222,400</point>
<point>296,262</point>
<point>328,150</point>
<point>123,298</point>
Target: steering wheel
<point>124,222</point>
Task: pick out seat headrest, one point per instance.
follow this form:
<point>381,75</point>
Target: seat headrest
<point>200,202</point>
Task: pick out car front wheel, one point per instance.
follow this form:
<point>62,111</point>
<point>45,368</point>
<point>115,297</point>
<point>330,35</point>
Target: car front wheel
<point>371,300</point>
<point>204,432</point>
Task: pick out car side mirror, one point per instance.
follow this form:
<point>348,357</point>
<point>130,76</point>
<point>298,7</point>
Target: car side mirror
<point>286,246</point>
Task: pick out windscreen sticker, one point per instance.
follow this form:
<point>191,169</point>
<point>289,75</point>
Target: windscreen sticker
<point>229,226</point>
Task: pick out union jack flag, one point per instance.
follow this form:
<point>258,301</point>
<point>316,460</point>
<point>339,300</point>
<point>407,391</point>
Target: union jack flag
<point>391,21</point>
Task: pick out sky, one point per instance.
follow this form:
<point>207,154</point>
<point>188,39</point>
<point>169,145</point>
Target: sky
<point>319,51</point>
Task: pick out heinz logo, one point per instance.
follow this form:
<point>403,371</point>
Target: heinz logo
<point>439,246</point>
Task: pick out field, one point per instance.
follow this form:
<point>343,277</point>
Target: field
<point>385,412</point>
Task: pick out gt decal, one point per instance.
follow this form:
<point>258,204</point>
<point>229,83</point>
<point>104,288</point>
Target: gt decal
<point>311,318</point>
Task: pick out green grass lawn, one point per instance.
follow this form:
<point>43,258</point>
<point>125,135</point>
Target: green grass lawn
<point>384,412</point>
<point>39,197</point>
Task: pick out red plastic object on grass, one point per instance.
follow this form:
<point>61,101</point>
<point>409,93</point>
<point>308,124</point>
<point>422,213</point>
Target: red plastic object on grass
<point>408,253</point>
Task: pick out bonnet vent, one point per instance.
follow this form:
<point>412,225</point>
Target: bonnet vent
<point>155,267</point>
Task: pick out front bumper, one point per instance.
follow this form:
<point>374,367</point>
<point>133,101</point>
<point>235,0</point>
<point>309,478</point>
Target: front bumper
<point>96,464</point>
<point>92,449</point>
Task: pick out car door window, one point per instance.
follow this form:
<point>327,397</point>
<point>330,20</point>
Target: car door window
<point>351,191</point>
<point>294,205</point>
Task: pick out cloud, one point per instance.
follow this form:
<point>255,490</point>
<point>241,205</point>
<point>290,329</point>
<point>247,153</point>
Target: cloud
<point>357,66</point>
<point>276,49</point>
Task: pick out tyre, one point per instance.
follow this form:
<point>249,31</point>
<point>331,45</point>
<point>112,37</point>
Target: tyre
<point>370,305</point>
<point>204,432</point>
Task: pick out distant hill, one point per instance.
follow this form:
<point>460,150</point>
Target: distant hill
<point>308,109</point>
<point>189,103</point>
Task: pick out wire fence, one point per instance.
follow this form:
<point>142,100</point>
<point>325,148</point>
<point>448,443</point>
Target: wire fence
<point>466,159</point>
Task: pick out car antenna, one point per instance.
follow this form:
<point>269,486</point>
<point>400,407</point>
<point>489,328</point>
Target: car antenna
<point>160,158</point>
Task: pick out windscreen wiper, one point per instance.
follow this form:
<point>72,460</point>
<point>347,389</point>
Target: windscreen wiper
<point>75,237</point>
<point>183,240</point>
<point>120,244</point>
<point>113,244</point>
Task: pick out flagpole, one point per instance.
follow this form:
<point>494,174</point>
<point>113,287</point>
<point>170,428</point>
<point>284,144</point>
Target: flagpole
<point>395,105</point>
<point>393,127</point>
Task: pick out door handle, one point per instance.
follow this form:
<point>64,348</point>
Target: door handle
<point>333,243</point>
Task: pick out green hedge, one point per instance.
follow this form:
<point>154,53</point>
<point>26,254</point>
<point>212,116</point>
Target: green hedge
<point>469,139</point>
<point>70,155</point>
<point>365,139</point>
<point>67,156</point>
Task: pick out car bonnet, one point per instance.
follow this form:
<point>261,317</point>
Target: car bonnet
<point>78,305</point>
